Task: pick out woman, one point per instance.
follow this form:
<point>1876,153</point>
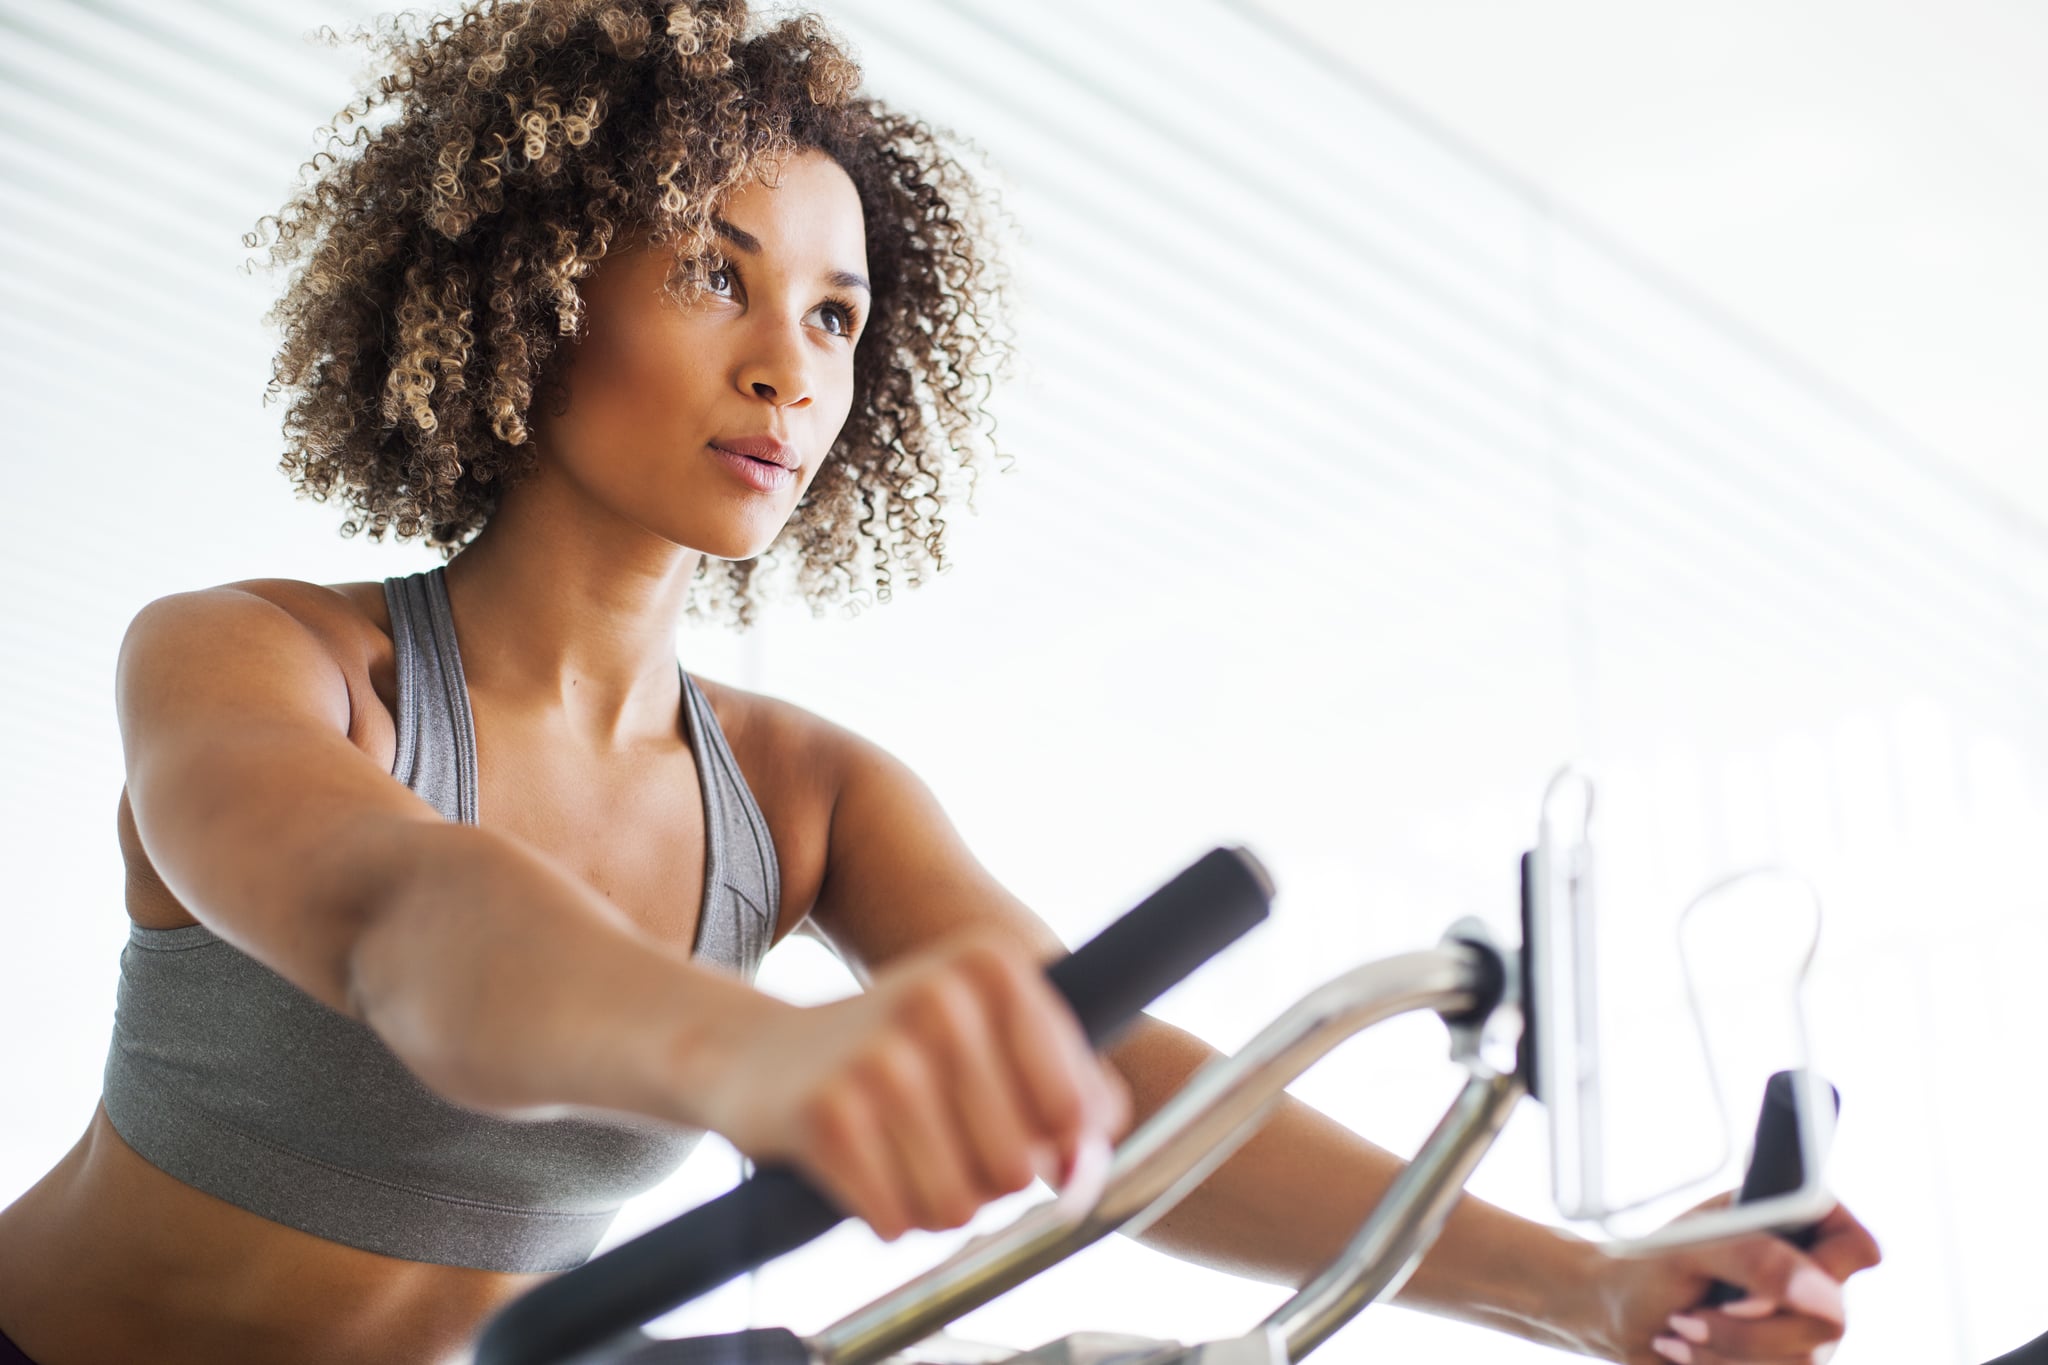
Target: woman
<point>446,890</point>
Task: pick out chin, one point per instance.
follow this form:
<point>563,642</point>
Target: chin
<point>729,541</point>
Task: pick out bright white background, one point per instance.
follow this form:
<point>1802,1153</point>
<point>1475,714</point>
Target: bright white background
<point>1357,486</point>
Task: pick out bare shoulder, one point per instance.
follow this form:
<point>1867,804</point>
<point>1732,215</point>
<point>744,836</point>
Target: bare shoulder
<point>348,622</point>
<point>351,616</point>
<point>867,853</point>
<point>340,612</point>
<point>794,761</point>
<point>779,733</point>
<point>195,665</point>
<point>884,870</point>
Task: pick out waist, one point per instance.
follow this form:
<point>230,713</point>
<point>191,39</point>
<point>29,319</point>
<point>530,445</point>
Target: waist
<point>109,1258</point>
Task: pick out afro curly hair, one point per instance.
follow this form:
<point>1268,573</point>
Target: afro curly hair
<point>435,257</point>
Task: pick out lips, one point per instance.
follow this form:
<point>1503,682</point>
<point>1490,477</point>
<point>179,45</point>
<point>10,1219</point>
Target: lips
<point>764,448</point>
<point>763,474</point>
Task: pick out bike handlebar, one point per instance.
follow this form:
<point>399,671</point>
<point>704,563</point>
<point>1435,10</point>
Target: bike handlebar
<point>1106,982</point>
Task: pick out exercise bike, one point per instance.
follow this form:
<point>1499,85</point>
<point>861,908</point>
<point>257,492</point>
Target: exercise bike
<point>1521,1021</point>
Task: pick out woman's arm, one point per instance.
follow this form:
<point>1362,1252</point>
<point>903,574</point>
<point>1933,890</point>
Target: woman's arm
<point>1284,1206</point>
<point>506,983</point>
<point>495,974</point>
<point>1288,1201</point>
<point>1281,1209</point>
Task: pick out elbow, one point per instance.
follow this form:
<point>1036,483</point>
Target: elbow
<point>421,1016</point>
<point>399,978</point>
<point>387,988</point>
<point>419,971</point>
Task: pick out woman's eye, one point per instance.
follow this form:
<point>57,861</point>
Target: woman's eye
<point>719,281</point>
<point>835,318</point>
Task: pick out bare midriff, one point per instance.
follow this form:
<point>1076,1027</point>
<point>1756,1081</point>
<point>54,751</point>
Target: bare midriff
<point>107,1259</point>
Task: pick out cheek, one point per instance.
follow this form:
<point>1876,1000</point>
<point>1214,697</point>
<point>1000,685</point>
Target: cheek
<point>627,387</point>
<point>837,405</point>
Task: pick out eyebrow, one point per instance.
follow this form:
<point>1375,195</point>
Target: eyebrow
<point>749,243</point>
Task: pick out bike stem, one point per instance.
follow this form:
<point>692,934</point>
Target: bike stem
<point>1465,979</point>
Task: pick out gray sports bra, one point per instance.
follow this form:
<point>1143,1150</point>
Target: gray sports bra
<point>235,1081</point>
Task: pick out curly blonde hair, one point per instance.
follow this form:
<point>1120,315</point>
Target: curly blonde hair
<point>436,257</point>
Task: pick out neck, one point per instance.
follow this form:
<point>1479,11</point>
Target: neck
<point>559,615</point>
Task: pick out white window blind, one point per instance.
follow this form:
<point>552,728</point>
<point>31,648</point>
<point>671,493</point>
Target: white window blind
<point>1356,486</point>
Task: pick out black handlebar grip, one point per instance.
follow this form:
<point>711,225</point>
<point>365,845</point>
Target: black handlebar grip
<point>754,1346</point>
<point>1151,949</point>
<point>1775,1167</point>
<point>1106,981</point>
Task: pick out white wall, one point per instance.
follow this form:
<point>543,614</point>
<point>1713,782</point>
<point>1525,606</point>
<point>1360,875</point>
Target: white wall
<point>1354,492</point>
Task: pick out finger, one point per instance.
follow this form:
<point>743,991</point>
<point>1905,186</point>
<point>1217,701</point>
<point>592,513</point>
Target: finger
<point>1738,1338</point>
<point>1773,1275</point>
<point>1685,1350</point>
<point>1055,1076</point>
<point>1680,1352</point>
<point>982,1104</point>
<point>849,1157</point>
<point>1082,1188</point>
<point>928,1163</point>
<point>1843,1245</point>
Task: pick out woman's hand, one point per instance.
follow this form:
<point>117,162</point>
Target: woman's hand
<point>954,1079</point>
<point>1792,1310</point>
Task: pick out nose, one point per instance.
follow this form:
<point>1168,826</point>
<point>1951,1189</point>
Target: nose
<point>775,368</point>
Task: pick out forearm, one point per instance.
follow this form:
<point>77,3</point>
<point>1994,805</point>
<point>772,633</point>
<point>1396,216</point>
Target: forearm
<point>507,984</point>
<point>1286,1204</point>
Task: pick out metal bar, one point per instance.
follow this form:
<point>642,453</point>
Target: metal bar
<point>1220,1107</point>
<point>1406,1221</point>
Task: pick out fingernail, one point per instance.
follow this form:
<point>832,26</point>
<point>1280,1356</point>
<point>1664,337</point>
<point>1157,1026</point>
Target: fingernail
<point>1087,1180</point>
<point>1694,1330</point>
<point>1672,1349</point>
<point>1813,1290</point>
<point>1750,1308</point>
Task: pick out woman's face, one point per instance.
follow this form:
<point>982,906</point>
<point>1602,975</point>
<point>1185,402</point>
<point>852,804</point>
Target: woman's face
<point>705,422</point>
